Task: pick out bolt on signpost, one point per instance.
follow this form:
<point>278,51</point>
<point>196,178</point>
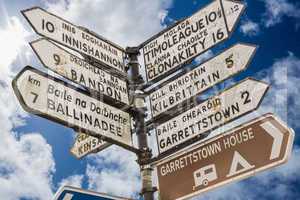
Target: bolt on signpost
<point>109,99</point>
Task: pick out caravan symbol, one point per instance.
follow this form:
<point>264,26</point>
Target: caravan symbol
<point>204,175</point>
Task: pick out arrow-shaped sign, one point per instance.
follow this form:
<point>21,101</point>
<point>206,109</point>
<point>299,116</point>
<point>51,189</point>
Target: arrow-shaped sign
<point>55,28</point>
<point>86,144</point>
<point>73,193</point>
<point>206,75</point>
<point>243,151</point>
<point>177,45</point>
<point>50,98</point>
<point>232,103</point>
<point>79,71</point>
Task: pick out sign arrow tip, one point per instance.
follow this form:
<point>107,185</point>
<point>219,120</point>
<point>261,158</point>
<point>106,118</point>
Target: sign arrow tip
<point>277,137</point>
<point>233,11</point>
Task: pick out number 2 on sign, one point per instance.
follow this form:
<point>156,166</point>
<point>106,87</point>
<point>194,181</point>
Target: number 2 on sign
<point>245,96</point>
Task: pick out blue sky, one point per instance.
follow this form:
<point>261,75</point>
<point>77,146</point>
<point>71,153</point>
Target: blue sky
<point>34,152</point>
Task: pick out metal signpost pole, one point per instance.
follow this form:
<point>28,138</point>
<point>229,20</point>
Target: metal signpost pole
<point>139,114</point>
<point>112,96</point>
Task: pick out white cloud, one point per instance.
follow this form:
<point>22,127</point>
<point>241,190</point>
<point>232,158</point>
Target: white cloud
<point>26,167</point>
<point>13,41</point>
<point>249,28</point>
<point>26,162</point>
<point>74,180</point>
<point>277,9</point>
<point>124,22</point>
<point>282,98</point>
<point>114,171</point>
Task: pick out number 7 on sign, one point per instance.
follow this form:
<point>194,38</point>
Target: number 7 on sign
<point>35,96</point>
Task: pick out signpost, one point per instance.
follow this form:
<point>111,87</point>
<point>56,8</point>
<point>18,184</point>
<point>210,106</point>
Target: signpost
<point>94,111</point>
<point>73,193</point>
<point>76,38</point>
<point>203,77</point>
<point>258,145</point>
<point>86,144</point>
<point>77,70</point>
<point>172,48</point>
<point>49,98</point>
<point>232,103</point>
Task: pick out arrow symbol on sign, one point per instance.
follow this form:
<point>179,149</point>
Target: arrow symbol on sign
<point>277,136</point>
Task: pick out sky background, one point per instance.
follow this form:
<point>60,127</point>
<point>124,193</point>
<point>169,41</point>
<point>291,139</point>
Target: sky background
<point>34,152</point>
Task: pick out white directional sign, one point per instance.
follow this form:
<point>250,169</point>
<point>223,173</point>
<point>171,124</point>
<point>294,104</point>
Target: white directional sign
<point>78,39</point>
<point>257,145</point>
<point>73,193</point>
<point>206,75</point>
<point>191,37</point>
<point>79,71</point>
<point>232,103</point>
<point>50,98</point>
<point>86,144</point>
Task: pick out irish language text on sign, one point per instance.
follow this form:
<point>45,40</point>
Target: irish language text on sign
<point>206,75</point>
<point>258,145</point>
<point>86,144</point>
<point>191,37</point>
<point>45,96</point>
<point>79,71</point>
<point>69,35</point>
<point>232,103</point>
